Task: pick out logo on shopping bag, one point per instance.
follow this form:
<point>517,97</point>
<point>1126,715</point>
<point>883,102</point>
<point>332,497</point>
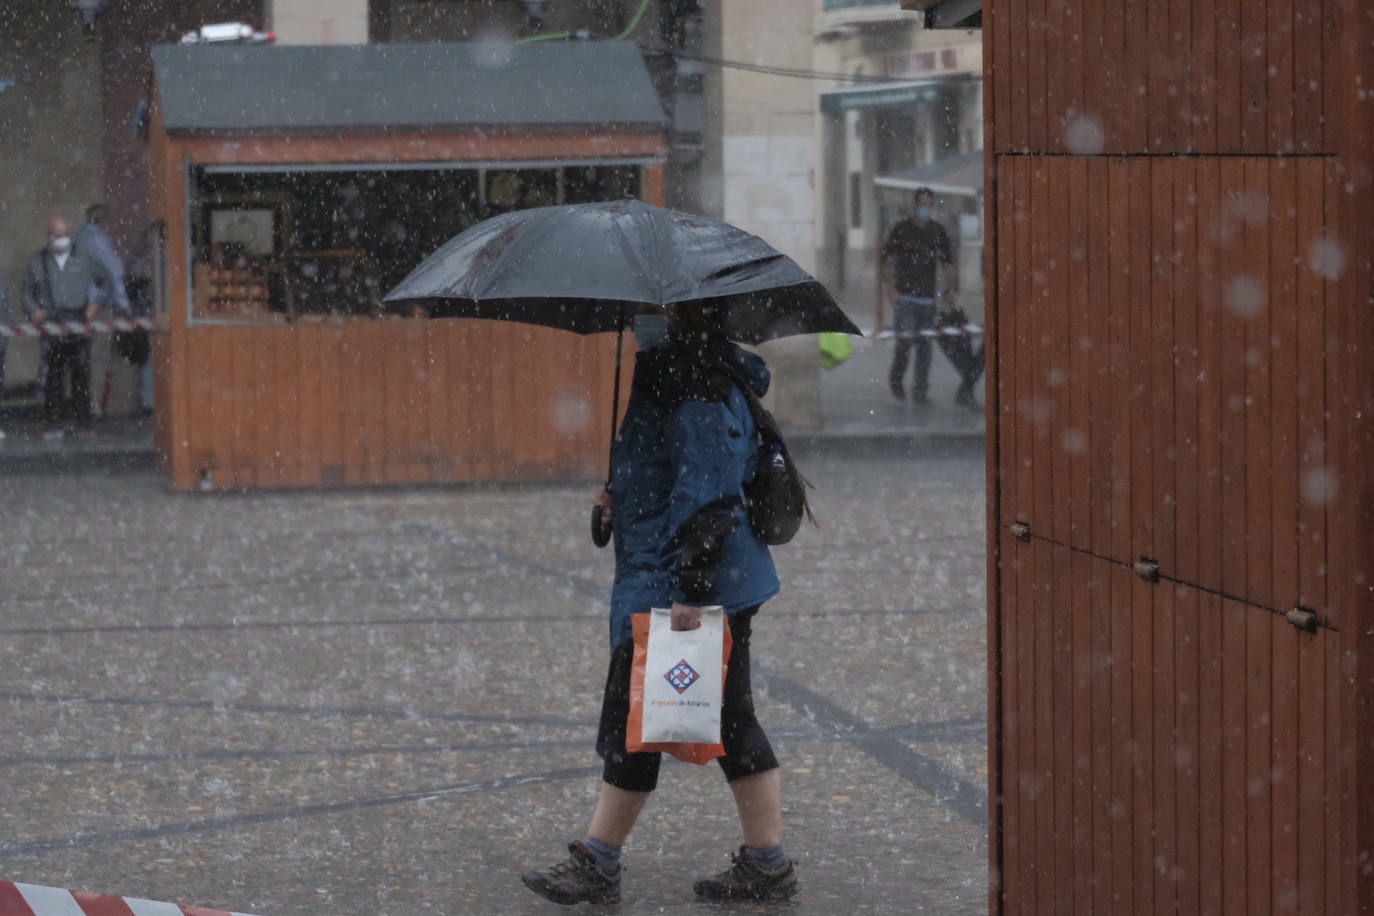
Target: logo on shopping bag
<point>681,676</point>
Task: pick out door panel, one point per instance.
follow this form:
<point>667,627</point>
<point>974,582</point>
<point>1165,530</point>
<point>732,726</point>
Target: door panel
<point>1161,366</point>
<point>1153,736</point>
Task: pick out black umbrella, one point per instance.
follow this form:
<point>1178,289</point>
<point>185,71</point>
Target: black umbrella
<point>587,267</point>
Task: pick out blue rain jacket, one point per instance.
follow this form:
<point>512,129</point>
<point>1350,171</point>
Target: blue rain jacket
<point>680,462</point>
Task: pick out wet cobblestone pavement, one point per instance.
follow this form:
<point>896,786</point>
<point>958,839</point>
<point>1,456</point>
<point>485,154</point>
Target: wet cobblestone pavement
<point>384,701</point>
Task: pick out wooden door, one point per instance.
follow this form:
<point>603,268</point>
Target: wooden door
<point>1180,400</point>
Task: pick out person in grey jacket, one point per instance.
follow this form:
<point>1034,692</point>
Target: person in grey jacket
<point>65,285</point>
<point>91,239</point>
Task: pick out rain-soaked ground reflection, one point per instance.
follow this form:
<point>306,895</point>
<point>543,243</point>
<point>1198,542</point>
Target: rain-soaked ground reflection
<point>384,701</point>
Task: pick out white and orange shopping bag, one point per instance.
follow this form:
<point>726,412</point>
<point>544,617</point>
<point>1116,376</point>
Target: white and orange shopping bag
<point>676,686</point>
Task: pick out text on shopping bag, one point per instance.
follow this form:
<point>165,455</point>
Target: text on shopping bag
<point>684,679</point>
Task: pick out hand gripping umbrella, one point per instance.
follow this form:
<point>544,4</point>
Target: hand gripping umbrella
<point>587,268</point>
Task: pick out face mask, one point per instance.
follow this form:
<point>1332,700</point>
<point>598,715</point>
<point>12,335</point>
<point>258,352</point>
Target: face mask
<point>60,245</point>
<point>650,330</point>
<point>925,212</point>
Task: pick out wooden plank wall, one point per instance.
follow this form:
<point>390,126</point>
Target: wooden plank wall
<point>1164,372</point>
<point>1180,289</point>
<point>1168,77</point>
<point>413,401</point>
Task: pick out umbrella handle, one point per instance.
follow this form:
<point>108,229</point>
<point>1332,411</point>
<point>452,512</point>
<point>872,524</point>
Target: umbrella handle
<point>601,532</point>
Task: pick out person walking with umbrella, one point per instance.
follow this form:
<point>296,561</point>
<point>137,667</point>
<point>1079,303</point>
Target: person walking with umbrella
<point>683,540</point>
<point>674,497</point>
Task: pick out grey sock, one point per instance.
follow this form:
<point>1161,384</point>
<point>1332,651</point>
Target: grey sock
<point>771,858</point>
<point>607,856</point>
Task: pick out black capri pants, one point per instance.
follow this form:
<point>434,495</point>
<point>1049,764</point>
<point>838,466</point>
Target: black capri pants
<point>747,750</point>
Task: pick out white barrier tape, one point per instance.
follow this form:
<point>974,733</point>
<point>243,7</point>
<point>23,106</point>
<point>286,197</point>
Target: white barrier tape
<point>952,330</point>
<point>61,328</point>
<point>34,900</point>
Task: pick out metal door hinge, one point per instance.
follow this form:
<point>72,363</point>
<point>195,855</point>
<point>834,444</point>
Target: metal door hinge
<point>1146,569</point>
<point>1303,619</point>
<point>1020,530</point>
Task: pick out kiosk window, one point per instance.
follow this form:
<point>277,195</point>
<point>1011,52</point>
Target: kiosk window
<point>300,245</point>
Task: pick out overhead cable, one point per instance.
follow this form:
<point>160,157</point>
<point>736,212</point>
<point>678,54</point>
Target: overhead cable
<point>794,72</point>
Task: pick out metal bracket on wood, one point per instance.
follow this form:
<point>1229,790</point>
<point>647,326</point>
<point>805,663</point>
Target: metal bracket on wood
<point>1020,530</point>
<point>1146,569</point>
<point>1303,619</point>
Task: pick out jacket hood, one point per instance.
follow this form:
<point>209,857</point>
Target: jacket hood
<point>750,366</point>
<point>679,371</point>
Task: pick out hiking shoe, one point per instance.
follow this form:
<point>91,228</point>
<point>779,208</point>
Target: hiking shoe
<point>746,881</point>
<point>898,391</point>
<point>577,879</point>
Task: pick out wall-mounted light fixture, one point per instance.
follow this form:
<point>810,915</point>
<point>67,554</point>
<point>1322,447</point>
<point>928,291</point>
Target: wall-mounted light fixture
<point>534,13</point>
<point>88,11</point>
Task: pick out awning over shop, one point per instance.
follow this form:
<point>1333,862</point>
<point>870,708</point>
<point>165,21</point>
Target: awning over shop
<point>887,95</point>
<point>882,95</point>
<point>949,14</point>
<point>548,85</point>
<point>960,176</point>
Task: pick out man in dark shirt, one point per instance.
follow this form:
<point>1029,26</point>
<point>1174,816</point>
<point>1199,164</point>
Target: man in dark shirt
<point>915,249</point>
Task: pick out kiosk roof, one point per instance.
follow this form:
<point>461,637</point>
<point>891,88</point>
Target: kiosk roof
<point>549,84</point>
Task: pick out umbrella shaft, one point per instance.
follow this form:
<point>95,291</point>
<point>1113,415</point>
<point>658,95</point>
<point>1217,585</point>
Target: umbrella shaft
<point>615,397</point>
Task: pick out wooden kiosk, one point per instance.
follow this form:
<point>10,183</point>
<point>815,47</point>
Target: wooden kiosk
<point>293,185</point>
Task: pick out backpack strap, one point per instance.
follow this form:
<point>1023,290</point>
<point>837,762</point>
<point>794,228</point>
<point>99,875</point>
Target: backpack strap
<point>768,431</point>
<point>763,420</point>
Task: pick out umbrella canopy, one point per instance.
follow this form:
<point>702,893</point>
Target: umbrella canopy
<point>586,267</point>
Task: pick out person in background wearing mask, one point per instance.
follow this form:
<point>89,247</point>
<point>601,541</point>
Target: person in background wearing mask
<point>91,240</point>
<point>683,541</point>
<point>4,319</point>
<point>915,248</point>
<point>65,285</point>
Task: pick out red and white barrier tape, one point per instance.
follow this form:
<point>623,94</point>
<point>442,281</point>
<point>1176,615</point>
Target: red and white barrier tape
<point>951,330</point>
<point>59,328</point>
<point>33,900</point>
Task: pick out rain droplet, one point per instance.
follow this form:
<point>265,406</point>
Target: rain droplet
<point>571,415</point>
<point>1084,136</point>
<point>1246,296</point>
<point>1318,486</point>
<point>1040,410</point>
<point>1327,257</point>
<point>1252,208</point>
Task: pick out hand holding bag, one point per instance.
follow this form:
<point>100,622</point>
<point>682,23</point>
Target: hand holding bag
<point>677,683</point>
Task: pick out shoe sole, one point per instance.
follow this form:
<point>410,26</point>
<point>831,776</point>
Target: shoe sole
<point>555,896</point>
<point>773,895</point>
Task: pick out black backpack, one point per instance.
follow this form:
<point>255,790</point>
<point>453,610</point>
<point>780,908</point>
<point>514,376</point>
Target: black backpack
<point>776,497</point>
